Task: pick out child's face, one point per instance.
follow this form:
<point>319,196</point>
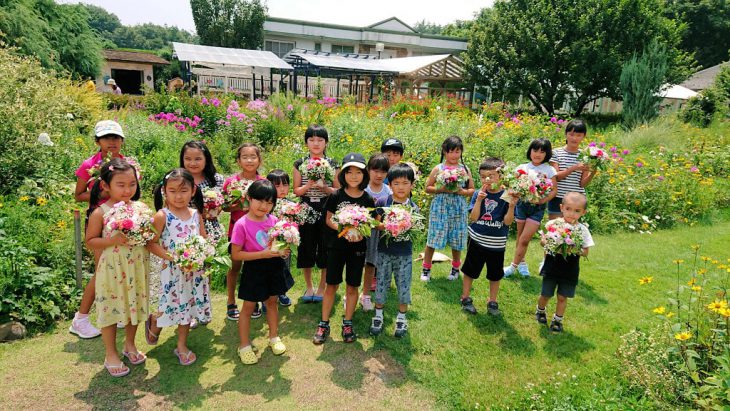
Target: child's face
<point>453,156</point>
<point>249,160</point>
<point>122,186</point>
<point>491,179</point>
<point>259,208</point>
<point>572,209</point>
<point>537,156</point>
<point>574,139</point>
<point>377,176</point>
<point>316,145</point>
<point>178,193</point>
<point>194,161</point>
<point>394,157</point>
<point>110,143</point>
<point>282,190</point>
<point>401,187</point>
<point>353,176</point>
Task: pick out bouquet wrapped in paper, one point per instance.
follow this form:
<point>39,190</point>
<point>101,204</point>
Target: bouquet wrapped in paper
<point>595,157</point>
<point>235,192</point>
<point>317,169</point>
<point>300,213</point>
<point>213,201</point>
<point>134,220</point>
<point>452,178</point>
<point>284,234</point>
<point>561,238</point>
<point>352,217</point>
<point>191,254</point>
<point>401,221</point>
<point>529,185</point>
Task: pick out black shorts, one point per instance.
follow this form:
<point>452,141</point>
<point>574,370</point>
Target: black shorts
<point>352,262</point>
<point>477,257</point>
<point>312,250</point>
<point>561,273</point>
<point>261,279</point>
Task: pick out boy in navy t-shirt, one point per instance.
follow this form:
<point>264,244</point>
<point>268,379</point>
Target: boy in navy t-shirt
<point>490,217</point>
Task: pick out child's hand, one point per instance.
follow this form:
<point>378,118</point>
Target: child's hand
<point>285,252</point>
<point>353,235</point>
<point>582,167</point>
<point>269,253</point>
<point>119,239</point>
<point>481,194</point>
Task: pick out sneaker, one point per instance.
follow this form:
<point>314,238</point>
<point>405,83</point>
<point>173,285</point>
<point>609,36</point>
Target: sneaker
<point>83,328</point>
<point>401,328</point>
<point>232,312</point>
<point>556,326</point>
<point>454,274</point>
<point>509,270</point>
<point>493,308</point>
<point>426,274</point>
<point>541,316</point>
<point>348,333</point>
<point>323,331</point>
<point>284,301</point>
<point>256,312</point>
<point>523,270</point>
<point>376,326</point>
<point>467,305</point>
<point>366,303</point>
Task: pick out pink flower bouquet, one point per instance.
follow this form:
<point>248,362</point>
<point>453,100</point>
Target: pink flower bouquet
<point>595,157</point>
<point>299,213</point>
<point>191,254</point>
<point>528,185</point>
<point>452,178</point>
<point>213,201</point>
<point>284,234</point>
<point>134,220</point>
<point>561,238</point>
<point>401,221</point>
<point>353,217</point>
<point>317,169</point>
<point>236,192</point>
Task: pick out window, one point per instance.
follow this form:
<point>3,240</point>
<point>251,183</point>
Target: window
<point>342,49</point>
<point>280,48</point>
<point>317,46</point>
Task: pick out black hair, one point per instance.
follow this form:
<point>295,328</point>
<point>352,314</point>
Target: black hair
<point>452,143</point>
<point>577,126</point>
<point>278,176</point>
<point>251,145</point>
<point>365,178</point>
<point>540,144</point>
<point>401,170</point>
<point>491,163</point>
<point>108,171</point>
<point>262,190</point>
<point>209,171</point>
<point>315,130</point>
<point>174,174</point>
<point>378,161</point>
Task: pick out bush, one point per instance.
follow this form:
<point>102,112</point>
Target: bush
<point>700,109</point>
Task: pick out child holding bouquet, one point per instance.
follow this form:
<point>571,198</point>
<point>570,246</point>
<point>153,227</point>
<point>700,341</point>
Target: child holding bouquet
<point>395,247</point>
<point>184,291</point>
<point>573,175</point>
<point>349,222</point>
<point>565,241</point>
<point>450,182</point>
<point>264,274</point>
<point>197,159</point>
<point>314,180</point>
<point>119,233</point>
<point>530,211</point>
<point>378,166</point>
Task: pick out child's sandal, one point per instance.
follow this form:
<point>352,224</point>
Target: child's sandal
<point>117,370</point>
<point>247,355</point>
<point>185,358</point>
<point>139,357</point>
<point>151,337</point>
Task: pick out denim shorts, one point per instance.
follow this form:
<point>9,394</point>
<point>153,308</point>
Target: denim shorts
<point>525,211</point>
<point>553,206</point>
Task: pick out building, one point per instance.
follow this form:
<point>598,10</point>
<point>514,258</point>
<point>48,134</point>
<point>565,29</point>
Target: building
<point>131,70</point>
<point>704,78</point>
<point>398,39</point>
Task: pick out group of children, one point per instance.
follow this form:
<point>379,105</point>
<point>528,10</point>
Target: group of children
<point>123,284</point>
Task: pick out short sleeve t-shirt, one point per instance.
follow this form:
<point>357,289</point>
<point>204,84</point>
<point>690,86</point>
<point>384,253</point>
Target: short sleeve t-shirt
<point>382,195</point>
<point>83,171</point>
<point>252,235</point>
<point>571,183</point>
<point>489,231</point>
<point>337,200</point>
<point>543,168</point>
<point>391,246</point>
<point>567,267</point>
<point>236,215</point>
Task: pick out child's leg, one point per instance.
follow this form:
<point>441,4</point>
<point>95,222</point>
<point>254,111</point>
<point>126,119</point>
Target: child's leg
<point>328,301</point>
<point>561,305</point>
<point>542,302</point>
<point>367,279</point>
<point>109,337</point>
<point>322,283</point>
<point>351,302</point>
<point>231,279</point>
<point>520,230</point>
<point>456,258</point>
<point>87,299</point>
<point>244,323</point>
<point>493,290</point>
<point>129,345</point>
<point>466,286</point>
<point>523,240</point>
<point>428,256</point>
<point>183,330</point>
<point>272,316</point>
<point>308,281</point>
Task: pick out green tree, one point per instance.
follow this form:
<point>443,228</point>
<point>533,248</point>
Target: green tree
<point>707,33</point>
<point>551,50</point>
<point>230,23</point>
<point>101,20</point>
<point>641,81</point>
<point>426,27</point>
<point>459,28</point>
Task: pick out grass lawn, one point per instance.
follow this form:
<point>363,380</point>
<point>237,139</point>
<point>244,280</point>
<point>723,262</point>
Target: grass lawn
<point>448,360</point>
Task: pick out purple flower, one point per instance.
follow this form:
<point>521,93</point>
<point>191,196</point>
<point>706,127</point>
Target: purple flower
<point>500,124</point>
<point>614,155</point>
<point>602,145</point>
<point>694,169</point>
<point>625,152</point>
<point>560,122</point>
<point>660,178</point>
<point>290,107</point>
<point>613,149</point>
<point>553,120</point>
<point>639,164</point>
<point>204,101</point>
<point>592,144</point>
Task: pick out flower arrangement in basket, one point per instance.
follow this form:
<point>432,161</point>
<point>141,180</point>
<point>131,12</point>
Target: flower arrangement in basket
<point>134,220</point>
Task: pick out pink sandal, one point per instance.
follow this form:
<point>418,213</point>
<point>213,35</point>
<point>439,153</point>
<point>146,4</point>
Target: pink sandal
<point>186,356</point>
<point>138,355</point>
<point>117,370</point>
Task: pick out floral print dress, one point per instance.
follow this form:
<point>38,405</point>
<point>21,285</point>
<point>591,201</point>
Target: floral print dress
<point>183,296</point>
<point>212,226</point>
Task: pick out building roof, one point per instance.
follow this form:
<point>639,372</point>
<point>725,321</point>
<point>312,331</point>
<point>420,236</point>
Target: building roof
<point>393,22</point>
<point>222,56</point>
<point>704,78</point>
<point>133,56</point>
<point>677,92</point>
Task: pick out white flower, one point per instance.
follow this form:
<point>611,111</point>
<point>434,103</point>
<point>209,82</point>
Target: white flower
<point>69,116</point>
<point>645,218</point>
<point>45,139</point>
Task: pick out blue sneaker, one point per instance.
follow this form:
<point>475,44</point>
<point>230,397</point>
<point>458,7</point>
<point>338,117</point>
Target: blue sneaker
<point>523,270</point>
<point>284,300</point>
<point>509,270</point>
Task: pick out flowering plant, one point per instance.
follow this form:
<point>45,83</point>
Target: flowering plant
<point>191,254</point>
<point>134,220</point>
<point>353,217</point>
<point>562,238</point>
<point>317,169</point>
<point>529,185</point>
<point>235,191</point>
<point>299,213</point>
<point>451,178</point>
<point>401,221</point>
<point>212,202</point>
<point>595,157</point>
<point>283,234</point>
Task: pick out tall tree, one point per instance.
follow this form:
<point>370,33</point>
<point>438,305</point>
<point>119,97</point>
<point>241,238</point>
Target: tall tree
<point>549,50</point>
<point>101,20</point>
<point>708,28</point>
<point>230,23</point>
<point>642,79</point>
<point>426,27</point>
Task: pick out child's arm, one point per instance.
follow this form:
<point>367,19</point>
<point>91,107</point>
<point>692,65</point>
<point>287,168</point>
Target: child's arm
<point>154,246</point>
<point>586,177</point>
<point>238,254</point>
<point>201,224</point>
<point>509,217</point>
<point>585,252</point>
<point>329,222</point>
<point>477,209</point>
<point>431,182</point>
<point>469,190</point>
<point>299,189</point>
<point>335,183</point>
<point>562,175</point>
<point>81,192</point>
<point>94,240</point>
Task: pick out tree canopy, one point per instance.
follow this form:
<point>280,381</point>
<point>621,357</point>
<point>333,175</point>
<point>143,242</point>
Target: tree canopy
<point>230,23</point>
<point>707,33</point>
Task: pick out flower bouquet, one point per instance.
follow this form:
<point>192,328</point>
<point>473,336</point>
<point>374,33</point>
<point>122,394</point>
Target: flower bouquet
<point>134,220</point>
<point>595,157</point>
<point>236,191</point>
<point>529,185</point>
<point>353,217</point>
<point>212,202</point>
<point>317,169</point>
<point>299,213</point>
<point>401,221</point>
<point>561,238</point>
<point>283,234</point>
<point>452,178</point>
<point>191,254</point>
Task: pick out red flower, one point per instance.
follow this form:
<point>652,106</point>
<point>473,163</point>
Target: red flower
<point>521,171</point>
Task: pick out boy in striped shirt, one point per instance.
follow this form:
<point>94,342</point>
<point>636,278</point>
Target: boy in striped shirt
<point>490,217</point>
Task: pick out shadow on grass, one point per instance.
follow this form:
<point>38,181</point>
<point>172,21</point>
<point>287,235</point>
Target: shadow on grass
<point>564,344</point>
<point>587,292</point>
<point>509,338</point>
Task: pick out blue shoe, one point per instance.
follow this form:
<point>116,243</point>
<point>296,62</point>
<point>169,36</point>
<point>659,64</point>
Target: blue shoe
<point>523,270</point>
<point>306,298</point>
<point>284,301</point>
<point>317,298</point>
<point>509,270</point>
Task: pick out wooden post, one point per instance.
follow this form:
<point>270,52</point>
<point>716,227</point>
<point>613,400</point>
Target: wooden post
<point>338,88</point>
<point>253,87</point>
<point>79,245</point>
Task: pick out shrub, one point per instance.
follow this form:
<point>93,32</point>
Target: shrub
<point>700,109</point>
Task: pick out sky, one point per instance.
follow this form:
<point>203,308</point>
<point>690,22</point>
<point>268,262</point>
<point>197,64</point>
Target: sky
<point>347,12</point>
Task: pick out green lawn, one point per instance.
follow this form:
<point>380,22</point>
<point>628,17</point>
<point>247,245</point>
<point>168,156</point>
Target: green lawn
<point>449,360</point>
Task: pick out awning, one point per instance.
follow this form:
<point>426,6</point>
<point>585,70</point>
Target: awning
<point>217,57</point>
<point>677,92</point>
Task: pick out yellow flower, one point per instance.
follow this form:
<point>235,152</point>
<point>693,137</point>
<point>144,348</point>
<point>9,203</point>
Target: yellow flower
<point>725,312</point>
<point>684,336</point>
<point>645,280</point>
<point>702,271</point>
<point>41,201</point>
<point>678,261</point>
<point>659,310</point>
<point>670,315</point>
<point>705,258</point>
<point>717,305</point>
<point>24,198</point>
<point>696,288</point>
<point>695,247</point>
<point>692,281</point>
<point>61,224</point>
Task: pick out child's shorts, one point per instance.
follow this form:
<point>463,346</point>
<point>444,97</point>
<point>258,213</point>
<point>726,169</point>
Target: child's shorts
<point>565,286</point>
<point>371,255</point>
<point>352,262</point>
<point>527,211</point>
<point>477,257</point>
<point>553,206</point>
<point>400,267</point>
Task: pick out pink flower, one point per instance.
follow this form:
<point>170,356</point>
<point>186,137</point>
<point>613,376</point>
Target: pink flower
<point>694,169</point>
<point>639,164</point>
